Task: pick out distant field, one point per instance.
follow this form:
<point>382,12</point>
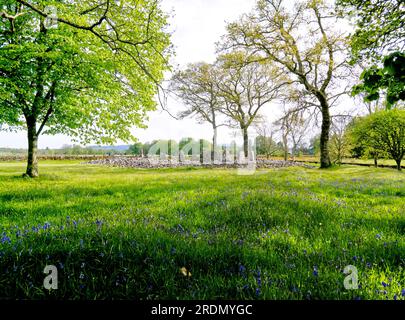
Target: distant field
<point>200,233</point>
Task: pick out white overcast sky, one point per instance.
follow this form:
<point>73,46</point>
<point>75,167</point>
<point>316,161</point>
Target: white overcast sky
<point>197,25</point>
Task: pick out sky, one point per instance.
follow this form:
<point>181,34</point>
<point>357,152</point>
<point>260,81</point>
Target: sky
<point>196,25</point>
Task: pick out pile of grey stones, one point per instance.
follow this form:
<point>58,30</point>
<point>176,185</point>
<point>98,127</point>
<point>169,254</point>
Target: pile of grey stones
<point>155,163</point>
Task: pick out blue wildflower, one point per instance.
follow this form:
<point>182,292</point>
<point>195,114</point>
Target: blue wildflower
<point>5,239</point>
<point>315,272</point>
<point>378,236</point>
<point>259,279</point>
<point>257,292</point>
<point>384,284</point>
<point>403,292</point>
<point>242,269</point>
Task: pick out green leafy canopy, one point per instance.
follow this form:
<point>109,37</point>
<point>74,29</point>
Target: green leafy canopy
<point>93,76</point>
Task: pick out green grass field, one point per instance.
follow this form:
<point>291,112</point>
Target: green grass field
<point>127,233</point>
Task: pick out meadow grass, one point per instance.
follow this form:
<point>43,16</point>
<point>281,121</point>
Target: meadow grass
<point>200,233</point>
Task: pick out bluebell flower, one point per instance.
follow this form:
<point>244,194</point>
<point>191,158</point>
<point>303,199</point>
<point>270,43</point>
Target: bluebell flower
<point>384,284</point>
<point>35,229</point>
<point>378,236</point>
<point>355,258</point>
<point>5,239</point>
<point>259,278</point>
<point>257,292</point>
<point>315,272</point>
<point>395,297</point>
<point>403,292</point>
<point>242,269</point>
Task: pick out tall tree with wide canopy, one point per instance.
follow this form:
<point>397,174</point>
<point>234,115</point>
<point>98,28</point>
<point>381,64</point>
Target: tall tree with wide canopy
<point>197,88</point>
<point>303,44</point>
<point>93,76</point>
<point>246,86</point>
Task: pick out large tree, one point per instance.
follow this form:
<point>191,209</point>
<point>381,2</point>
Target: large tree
<point>246,86</point>
<point>92,76</point>
<point>197,88</point>
<point>304,44</point>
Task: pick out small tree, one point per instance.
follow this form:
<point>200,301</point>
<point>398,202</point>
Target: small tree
<point>293,127</point>
<point>265,144</point>
<point>340,140</point>
<point>383,131</point>
<point>136,149</point>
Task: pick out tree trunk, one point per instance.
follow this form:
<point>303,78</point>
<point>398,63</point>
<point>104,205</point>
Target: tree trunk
<point>398,161</point>
<point>201,151</point>
<point>32,163</point>
<point>245,142</point>
<point>375,161</point>
<point>214,144</point>
<point>326,124</point>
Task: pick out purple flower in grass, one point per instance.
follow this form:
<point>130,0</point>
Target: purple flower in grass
<point>315,271</point>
